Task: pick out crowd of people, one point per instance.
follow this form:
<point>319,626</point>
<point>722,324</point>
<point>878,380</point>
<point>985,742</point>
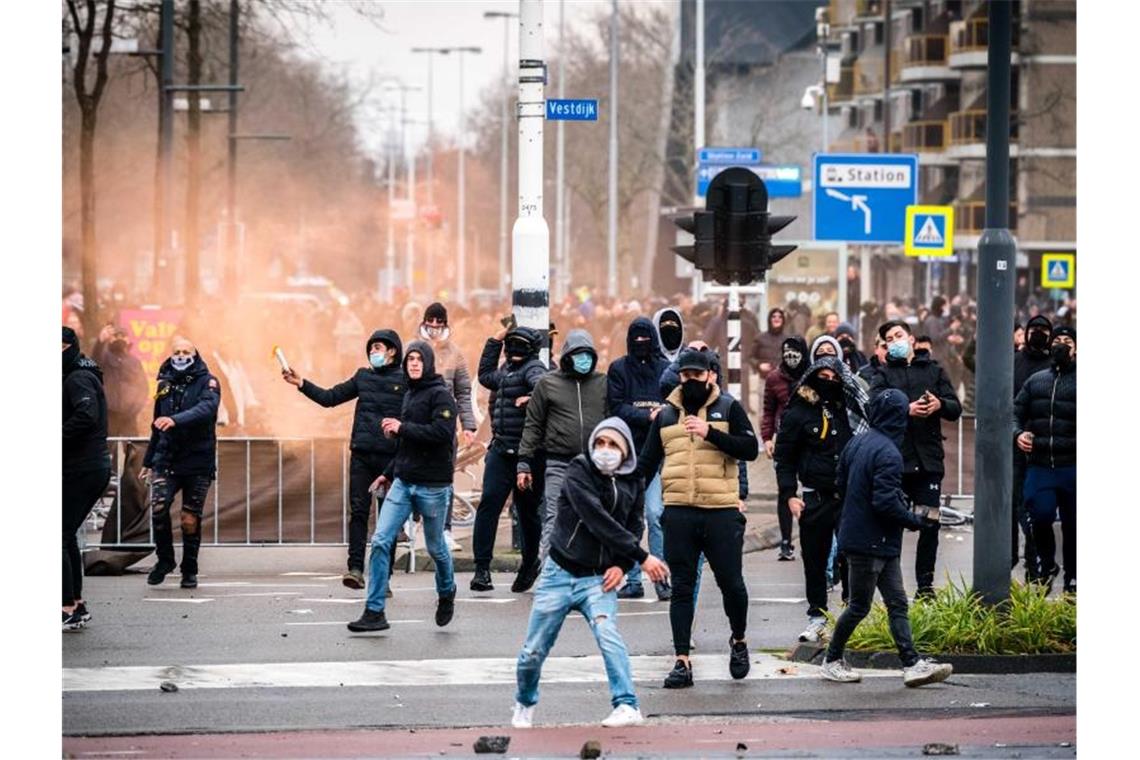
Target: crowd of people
<point>614,422</point>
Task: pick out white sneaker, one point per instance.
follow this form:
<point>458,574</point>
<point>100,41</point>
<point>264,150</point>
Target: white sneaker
<point>523,716</point>
<point>624,715</point>
<point>816,630</point>
<point>840,672</point>
<point>452,545</point>
<point>926,671</point>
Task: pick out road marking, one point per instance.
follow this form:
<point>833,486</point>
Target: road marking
<point>332,601</point>
<point>246,584</point>
<point>346,622</point>
<point>637,614</point>
<point>175,600</point>
<point>777,600</point>
<point>646,600</point>
<point>262,593</point>
<point>300,572</point>
<point>388,673</point>
<point>486,601</point>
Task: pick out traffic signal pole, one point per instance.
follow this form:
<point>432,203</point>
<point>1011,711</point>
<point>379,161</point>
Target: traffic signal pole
<point>530,236</point>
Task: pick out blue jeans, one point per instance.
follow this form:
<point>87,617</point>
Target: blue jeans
<point>431,502</point>
<point>557,594</point>
<point>654,506</point>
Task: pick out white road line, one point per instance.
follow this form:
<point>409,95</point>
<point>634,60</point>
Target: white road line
<point>332,601</point>
<point>176,600</point>
<point>646,600</point>
<point>245,584</point>
<point>777,600</point>
<point>262,593</point>
<point>486,601</point>
<point>637,614</point>
<point>300,572</point>
<point>389,673</point>
<point>346,622</point>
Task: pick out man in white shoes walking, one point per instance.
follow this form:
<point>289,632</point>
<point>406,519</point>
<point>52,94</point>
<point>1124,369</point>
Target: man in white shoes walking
<point>594,543</point>
<point>870,534</point>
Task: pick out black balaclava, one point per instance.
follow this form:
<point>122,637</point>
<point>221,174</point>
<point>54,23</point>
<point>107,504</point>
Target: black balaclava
<point>518,349</point>
<point>71,353</point>
<point>1060,353</point>
<point>694,394</point>
<point>794,344</point>
<point>829,390</point>
<point>1038,335</point>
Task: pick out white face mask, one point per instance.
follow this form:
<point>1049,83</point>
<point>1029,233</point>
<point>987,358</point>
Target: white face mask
<point>181,363</point>
<point>606,460</point>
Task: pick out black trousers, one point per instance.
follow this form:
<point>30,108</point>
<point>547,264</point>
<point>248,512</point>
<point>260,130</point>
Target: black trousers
<point>164,487</point>
<point>363,468</point>
<point>818,525</point>
<point>784,515</point>
<point>867,573</point>
<point>924,489</point>
<point>1020,519</point>
<point>719,534</point>
<point>499,478</point>
<point>80,493</point>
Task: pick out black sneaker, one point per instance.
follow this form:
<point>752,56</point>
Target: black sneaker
<point>680,677</point>
<point>369,621</point>
<point>353,579</point>
<point>73,621</point>
<point>482,580</point>
<point>664,590</point>
<point>189,580</point>
<point>84,615</point>
<point>158,573</point>
<point>738,661</point>
<point>631,591</point>
<point>787,553</point>
<point>525,579</point>
<point>444,610</point>
<point>924,593</point>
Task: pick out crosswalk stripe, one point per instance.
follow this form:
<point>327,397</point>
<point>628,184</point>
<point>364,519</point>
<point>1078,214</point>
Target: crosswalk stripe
<point>176,600</point>
<point>459,672</point>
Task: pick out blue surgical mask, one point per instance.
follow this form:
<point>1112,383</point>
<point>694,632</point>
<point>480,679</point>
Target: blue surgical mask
<point>898,349</point>
<point>583,363</point>
<point>378,360</point>
<point>181,363</point>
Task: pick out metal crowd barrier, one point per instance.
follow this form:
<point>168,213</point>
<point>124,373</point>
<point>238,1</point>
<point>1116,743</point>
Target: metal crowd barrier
<point>959,447</point>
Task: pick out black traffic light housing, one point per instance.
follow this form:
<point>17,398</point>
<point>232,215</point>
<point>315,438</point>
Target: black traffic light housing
<point>733,233</point>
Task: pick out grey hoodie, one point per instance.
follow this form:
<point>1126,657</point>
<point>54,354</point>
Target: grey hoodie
<point>669,352</point>
<point>617,424</point>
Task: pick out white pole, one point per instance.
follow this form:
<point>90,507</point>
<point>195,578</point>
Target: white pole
<point>563,279</point>
<point>612,276</point>
<point>530,261</point>
<point>391,250</point>
<point>430,139</point>
<point>732,327</point>
<point>410,251</point>
<point>698,114</point>
<point>461,226</point>
<point>502,286</point>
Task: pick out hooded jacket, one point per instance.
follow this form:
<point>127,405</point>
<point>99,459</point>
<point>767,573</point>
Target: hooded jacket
<point>564,407</point>
<point>815,344</point>
<point>633,388</point>
<point>191,399</point>
<point>875,509</point>
<point>508,382</point>
<point>379,394</point>
<point>768,346</point>
<point>922,446</point>
<point>813,431</point>
<point>1047,407</point>
<point>778,387</point>
<point>668,349</point>
<point>1029,361</point>
<point>425,452</point>
<point>856,360</point>
<point>600,517</point>
<point>84,416</point>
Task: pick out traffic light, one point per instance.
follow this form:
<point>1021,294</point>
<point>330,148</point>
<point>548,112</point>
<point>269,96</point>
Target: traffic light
<point>733,234</point>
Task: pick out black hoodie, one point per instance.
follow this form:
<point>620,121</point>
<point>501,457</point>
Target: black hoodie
<point>84,415</point>
<point>191,399</point>
<point>380,394</point>
<point>425,454</point>
<point>1029,360</point>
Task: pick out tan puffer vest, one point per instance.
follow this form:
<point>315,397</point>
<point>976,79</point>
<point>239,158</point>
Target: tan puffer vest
<point>696,473</point>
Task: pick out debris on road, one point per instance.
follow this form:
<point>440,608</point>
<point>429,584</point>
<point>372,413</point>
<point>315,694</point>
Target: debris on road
<point>168,686</point>
<point>937,748</point>
<point>787,670</point>
<point>741,747</point>
<point>590,750</point>
<point>492,744</point>
<point>979,704</point>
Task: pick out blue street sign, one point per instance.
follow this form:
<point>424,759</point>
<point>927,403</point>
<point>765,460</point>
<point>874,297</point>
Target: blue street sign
<point>862,197</point>
<point>572,110</point>
<point>712,161</point>
<point>782,180</point>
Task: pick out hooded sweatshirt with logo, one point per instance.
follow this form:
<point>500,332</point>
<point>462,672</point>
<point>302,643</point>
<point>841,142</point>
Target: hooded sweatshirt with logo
<point>600,517</point>
<point>633,387</point>
<point>379,394</point>
<point>425,454</point>
<point>191,399</point>
<point>564,407</point>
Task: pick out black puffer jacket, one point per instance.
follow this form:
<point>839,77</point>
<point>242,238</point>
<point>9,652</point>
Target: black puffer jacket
<point>379,394</point>
<point>426,452</point>
<point>812,433</point>
<point>922,445</point>
<point>1047,407</point>
<point>633,387</point>
<point>508,382</point>
<point>191,399</point>
<point>84,415</point>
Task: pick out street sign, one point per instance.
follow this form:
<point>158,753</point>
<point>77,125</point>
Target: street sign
<point>862,197</point>
<point>929,231</point>
<point>1058,270</point>
<point>782,180</point>
<point>572,110</point>
<point>712,161</point>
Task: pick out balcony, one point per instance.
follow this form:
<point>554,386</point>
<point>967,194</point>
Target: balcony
<point>868,76</point>
<point>868,8</point>
<point>970,217</point>
<point>969,40</point>
<point>844,89</point>
<point>924,137</point>
<point>924,59</point>
<point>968,133</point>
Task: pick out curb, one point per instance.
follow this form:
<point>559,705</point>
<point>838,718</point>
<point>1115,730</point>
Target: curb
<point>976,664</point>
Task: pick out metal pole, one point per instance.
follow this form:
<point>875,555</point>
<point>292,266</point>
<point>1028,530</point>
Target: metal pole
<point>166,139</point>
<point>503,234</point>
<point>886,146</point>
<point>530,236</point>
<point>230,277</point>
<point>698,115</point>
<point>823,89</point>
<point>612,275</point>
<point>733,327</point>
<point>410,238</point>
<point>431,147</point>
<point>997,259</point>
<point>461,226</point>
<point>391,249</point>
<point>563,261</point>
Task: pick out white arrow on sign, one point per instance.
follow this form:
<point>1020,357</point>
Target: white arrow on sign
<point>858,203</point>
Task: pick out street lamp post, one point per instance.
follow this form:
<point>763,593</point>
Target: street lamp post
<point>506,17</point>
<point>612,276</point>
<point>431,51</point>
<point>461,225</point>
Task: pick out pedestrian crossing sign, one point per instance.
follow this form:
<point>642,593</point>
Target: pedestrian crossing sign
<point>1058,270</point>
<point>929,231</point>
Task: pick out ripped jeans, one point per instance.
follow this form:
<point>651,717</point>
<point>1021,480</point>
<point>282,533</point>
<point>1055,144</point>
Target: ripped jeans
<point>164,487</point>
<point>557,594</point>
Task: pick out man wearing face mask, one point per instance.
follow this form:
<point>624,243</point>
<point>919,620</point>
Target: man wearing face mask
<point>671,331</point>
<point>1031,359</point>
<point>634,395</point>
<point>698,438</point>
<point>777,392</point>
<point>512,384</point>
<point>1046,431</point>
<point>813,431</point>
<point>180,456</point>
<point>932,399</point>
<point>124,381</point>
<point>452,367</point>
<point>563,409</point>
<point>851,355</point>
<point>379,392</point>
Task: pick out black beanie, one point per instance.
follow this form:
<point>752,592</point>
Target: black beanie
<point>436,311</point>
<point>1060,330</point>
